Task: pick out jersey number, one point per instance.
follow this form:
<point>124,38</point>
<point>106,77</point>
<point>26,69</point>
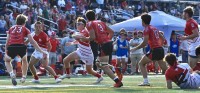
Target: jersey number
<point>100,27</point>
<point>156,32</point>
<point>17,30</point>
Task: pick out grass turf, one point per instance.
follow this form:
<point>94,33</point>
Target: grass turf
<point>83,84</point>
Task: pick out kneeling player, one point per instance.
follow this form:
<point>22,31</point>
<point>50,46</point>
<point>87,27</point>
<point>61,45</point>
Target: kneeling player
<point>84,52</point>
<point>181,74</point>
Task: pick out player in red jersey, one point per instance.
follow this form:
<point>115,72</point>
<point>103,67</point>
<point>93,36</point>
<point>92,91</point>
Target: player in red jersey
<point>102,34</point>
<point>43,41</point>
<point>181,74</point>
<point>84,51</point>
<point>15,46</point>
<point>192,35</point>
<point>156,53</point>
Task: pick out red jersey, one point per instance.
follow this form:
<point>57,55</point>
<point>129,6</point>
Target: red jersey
<point>17,34</point>
<point>100,31</point>
<point>54,43</point>
<point>86,34</point>
<point>62,23</point>
<point>191,24</point>
<point>154,38</point>
<point>180,74</point>
<point>42,39</point>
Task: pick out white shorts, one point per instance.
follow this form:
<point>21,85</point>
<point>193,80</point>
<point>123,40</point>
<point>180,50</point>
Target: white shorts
<point>123,57</point>
<point>39,55</point>
<point>85,54</point>
<point>192,46</point>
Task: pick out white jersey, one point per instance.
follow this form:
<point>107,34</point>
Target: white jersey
<point>191,81</point>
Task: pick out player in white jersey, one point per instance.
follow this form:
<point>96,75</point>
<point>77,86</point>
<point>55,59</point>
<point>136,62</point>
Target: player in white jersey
<point>84,51</point>
<point>181,74</point>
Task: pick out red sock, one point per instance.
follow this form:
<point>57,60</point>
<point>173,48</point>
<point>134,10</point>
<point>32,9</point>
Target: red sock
<point>68,71</point>
<point>97,75</point>
<point>55,76</point>
<point>36,77</point>
<point>117,70</point>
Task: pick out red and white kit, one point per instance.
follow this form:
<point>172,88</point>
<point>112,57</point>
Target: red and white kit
<point>181,75</point>
<point>42,39</point>
<point>191,24</point>
<point>84,50</point>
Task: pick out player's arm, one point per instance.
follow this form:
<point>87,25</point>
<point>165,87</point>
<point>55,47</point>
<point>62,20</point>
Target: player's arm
<point>110,31</point>
<point>34,43</point>
<point>195,33</point>
<point>143,44</point>
<point>169,84</point>
<point>26,41</point>
<point>91,36</point>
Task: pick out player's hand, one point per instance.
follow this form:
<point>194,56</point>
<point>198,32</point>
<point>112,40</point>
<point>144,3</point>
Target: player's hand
<point>182,38</point>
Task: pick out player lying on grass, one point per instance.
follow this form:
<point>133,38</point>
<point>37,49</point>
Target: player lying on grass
<point>181,74</point>
<point>84,51</point>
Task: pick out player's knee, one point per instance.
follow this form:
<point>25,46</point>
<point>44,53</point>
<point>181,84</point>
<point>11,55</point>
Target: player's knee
<point>105,66</point>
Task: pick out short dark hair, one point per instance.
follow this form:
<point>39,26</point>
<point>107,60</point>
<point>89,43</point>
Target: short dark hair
<point>197,51</point>
<point>90,14</point>
<point>21,19</point>
<point>170,58</point>
<point>81,19</point>
<point>146,18</point>
<point>189,10</point>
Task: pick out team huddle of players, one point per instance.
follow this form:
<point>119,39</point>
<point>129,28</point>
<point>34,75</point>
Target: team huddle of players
<point>95,30</point>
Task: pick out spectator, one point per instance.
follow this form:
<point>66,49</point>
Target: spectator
<point>135,55</point>
<point>3,24</point>
<point>52,55</point>
<point>174,44</point>
<point>23,6</point>
<point>61,4</point>
<point>62,25</point>
<point>184,51</point>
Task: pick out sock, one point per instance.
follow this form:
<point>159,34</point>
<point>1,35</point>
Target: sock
<point>68,71</point>
<point>146,80</point>
<point>117,70</point>
<point>97,75</point>
<point>116,79</point>
<point>36,77</point>
<point>123,71</point>
<point>55,76</point>
<point>24,76</point>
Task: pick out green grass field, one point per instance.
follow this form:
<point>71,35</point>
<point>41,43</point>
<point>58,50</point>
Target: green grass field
<point>83,84</point>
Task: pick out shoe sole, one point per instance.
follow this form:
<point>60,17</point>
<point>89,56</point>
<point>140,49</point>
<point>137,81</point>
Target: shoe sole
<point>14,82</point>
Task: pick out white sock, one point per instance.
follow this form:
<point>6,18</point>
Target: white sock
<point>24,76</point>
<point>115,78</point>
<point>146,80</point>
<point>11,73</point>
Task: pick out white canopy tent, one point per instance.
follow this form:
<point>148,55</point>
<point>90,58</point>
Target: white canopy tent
<point>159,19</point>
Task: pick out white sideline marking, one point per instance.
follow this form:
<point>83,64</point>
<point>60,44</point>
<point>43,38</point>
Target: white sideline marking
<point>43,86</point>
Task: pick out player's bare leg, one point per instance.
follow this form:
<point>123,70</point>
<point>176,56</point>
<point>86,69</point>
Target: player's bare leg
<point>24,69</point>
<point>32,62</point>
<point>89,69</point>
<point>142,64</point>
<point>105,67</point>
<point>9,68</point>
<point>66,61</point>
<point>192,62</point>
<point>162,65</point>
<point>45,62</point>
